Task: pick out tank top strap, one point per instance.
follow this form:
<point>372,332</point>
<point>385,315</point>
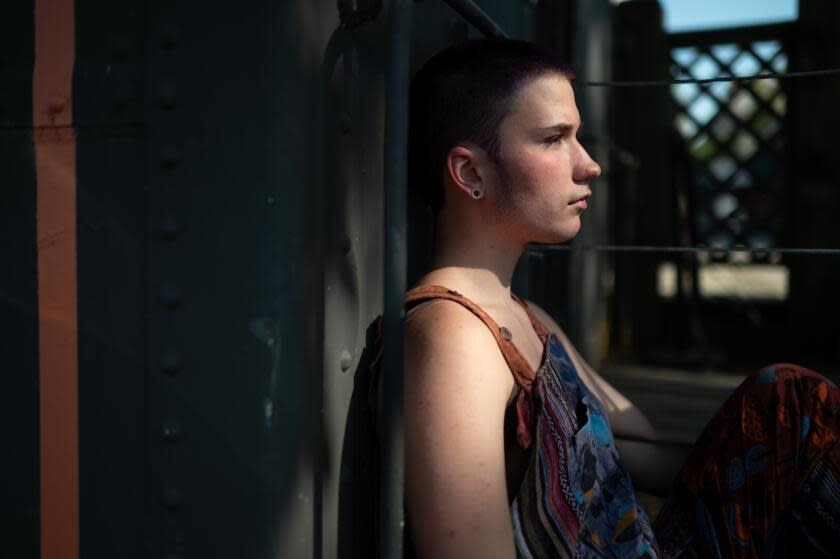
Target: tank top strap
<point>519,366</point>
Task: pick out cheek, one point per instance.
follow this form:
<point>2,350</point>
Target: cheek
<point>548,168</point>
<point>556,165</point>
<point>537,175</point>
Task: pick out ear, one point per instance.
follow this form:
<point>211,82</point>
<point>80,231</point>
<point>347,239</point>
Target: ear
<point>464,167</point>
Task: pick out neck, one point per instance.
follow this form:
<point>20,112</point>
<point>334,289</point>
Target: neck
<point>477,261</point>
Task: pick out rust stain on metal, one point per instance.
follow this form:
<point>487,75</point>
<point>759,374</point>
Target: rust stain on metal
<point>55,167</point>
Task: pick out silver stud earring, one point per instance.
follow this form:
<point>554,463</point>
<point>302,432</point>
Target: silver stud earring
<point>476,193</point>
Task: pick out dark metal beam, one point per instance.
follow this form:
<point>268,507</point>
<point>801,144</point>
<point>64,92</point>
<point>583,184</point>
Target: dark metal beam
<point>470,11</point>
<point>395,178</point>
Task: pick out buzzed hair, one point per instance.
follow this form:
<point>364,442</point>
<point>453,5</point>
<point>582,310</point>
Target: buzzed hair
<point>461,95</point>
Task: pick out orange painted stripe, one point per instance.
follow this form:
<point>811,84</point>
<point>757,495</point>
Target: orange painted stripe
<point>55,167</point>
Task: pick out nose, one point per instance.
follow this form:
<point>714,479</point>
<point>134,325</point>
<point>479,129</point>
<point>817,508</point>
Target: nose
<point>593,169</point>
<point>587,168</point>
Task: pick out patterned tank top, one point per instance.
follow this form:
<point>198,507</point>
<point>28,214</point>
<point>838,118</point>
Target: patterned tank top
<point>576,498</point>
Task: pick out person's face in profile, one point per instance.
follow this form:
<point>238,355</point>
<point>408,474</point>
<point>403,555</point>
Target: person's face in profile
<point>544,171</point>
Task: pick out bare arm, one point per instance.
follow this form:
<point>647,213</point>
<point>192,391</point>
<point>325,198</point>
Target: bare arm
<point>456,389</point>
<point>652,466</point>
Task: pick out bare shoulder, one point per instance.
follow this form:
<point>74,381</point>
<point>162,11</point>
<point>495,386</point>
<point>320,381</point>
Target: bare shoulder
<point>456,387</point>
<point>446,343</point>
<point>450,359</point>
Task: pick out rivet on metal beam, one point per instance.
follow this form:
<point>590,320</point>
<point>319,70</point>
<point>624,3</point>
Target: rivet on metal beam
<point>171,498</point>
<point>122,96</point>
<point>346,244</point>
<point>169,296</point>
<point>171,362</point>
<point>166,96</point>
<point>56,105</point>
<point>171,430</point>
<point>169,228</point>
<point>346,360</point>
<point>122,46</point>
<point>170,156</point>
<point>170,35</point>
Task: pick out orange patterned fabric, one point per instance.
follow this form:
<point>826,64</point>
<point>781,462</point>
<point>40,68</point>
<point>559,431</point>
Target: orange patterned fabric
<point>763,479</point>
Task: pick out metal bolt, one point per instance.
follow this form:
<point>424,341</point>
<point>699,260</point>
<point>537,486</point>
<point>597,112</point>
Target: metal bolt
<point>346,244</point>
<point>122,95</point>
<point>122,46</point>
<point>166,96</point>
<point>171,363</point>
<point>345,124</point>
<point>171,498</point>
<point>169,36</point>
<point>170,156</point>
<point>171,430</point>
<point>169,228</point>
<point>346,360</point>
<point>56,105</point>
<point>505,333</point>
<point>169,296</point>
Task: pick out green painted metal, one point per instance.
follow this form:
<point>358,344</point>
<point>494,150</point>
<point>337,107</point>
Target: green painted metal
<point>396,187</point>
<point>233,165</point>
<point>20,484</point>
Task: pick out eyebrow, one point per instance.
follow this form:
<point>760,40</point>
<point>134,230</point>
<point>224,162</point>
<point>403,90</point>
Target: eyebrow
<point>562,127</point>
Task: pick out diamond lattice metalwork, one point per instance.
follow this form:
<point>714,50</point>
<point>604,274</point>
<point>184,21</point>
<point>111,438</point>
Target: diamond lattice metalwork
<point>734,133</point>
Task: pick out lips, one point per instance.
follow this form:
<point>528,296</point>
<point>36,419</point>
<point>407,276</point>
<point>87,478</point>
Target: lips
<point>582,200</point>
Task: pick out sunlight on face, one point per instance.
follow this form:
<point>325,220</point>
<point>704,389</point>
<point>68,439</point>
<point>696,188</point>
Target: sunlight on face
<point>544,171</point>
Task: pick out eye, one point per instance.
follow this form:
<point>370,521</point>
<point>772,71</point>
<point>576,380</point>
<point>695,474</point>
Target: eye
<point>553,139</point>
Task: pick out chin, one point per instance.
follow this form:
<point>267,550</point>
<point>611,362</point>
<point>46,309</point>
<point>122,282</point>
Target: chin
<point>566,233</point>
<point>557,237</point>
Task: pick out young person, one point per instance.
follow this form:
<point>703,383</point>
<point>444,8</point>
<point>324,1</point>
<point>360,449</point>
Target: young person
<point>511,438</point>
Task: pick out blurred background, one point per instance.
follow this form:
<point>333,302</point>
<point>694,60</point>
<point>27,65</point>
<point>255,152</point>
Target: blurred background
<point>192,217</point>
